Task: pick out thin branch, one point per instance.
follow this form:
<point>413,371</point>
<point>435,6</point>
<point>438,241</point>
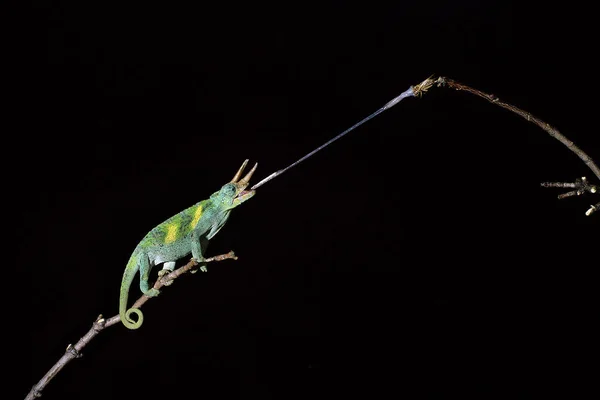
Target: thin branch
<point>442,81</point>
<point>74,351</point>
<point>581,185</point>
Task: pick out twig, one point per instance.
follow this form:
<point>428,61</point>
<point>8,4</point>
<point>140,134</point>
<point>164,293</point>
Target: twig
<point>442,81</point>
<point>74,351</point>
<point>581,185</point>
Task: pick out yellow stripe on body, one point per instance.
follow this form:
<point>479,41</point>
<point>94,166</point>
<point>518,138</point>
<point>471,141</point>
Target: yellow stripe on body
<point>171,233</point>
<point>197,215</point>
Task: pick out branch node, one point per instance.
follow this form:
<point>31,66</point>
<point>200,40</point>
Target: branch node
<point>73,351</point>
<point>35,392</point>
<point>99,323</point>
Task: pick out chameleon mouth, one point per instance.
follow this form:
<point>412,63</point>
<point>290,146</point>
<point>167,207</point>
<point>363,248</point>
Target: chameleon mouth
<point>243,196</point>
<point>244,193</point>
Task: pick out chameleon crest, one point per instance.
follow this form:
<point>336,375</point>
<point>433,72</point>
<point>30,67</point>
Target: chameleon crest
<point>187,232</point>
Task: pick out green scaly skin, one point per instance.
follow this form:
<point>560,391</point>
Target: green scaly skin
<point>187,232</point>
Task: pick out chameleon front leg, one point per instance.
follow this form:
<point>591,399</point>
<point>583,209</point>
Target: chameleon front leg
<point>197,249</point>
<point>145,268</point>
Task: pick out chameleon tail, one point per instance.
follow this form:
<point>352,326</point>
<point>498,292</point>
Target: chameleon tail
<point>124,313</point>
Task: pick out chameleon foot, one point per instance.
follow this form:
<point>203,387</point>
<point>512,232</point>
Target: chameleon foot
<point>202,268</point>
<point>152,293</point>
<point>164,272</point>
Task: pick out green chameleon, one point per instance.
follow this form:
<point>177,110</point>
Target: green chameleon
<point>185,233</point>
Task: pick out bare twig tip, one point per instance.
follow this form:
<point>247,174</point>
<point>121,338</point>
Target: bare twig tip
<point>581,185</point>
<point>590,211</point>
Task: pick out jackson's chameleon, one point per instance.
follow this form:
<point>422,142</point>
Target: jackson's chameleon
<point>185,233</point>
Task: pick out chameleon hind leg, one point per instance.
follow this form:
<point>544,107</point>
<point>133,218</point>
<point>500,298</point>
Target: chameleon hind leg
<point>145,268</point>
<point>167,268</point>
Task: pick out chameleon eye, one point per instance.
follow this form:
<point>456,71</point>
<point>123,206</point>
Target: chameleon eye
<point>229,190</point>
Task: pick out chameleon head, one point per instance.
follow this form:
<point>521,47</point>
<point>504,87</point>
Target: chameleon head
<point>235,192</point>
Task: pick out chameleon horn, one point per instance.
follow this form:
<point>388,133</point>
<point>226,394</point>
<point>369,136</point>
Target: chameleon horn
<point>246,179</point>
<point>239,173</point>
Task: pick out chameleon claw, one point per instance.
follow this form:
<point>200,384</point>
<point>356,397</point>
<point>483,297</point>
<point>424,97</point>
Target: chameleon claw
<point>164,272</point>
<point>202,268</point>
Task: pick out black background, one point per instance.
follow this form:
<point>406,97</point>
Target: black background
<point>416,257</point>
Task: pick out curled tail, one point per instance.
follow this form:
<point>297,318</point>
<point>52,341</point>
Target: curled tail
<point>125,314</point>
